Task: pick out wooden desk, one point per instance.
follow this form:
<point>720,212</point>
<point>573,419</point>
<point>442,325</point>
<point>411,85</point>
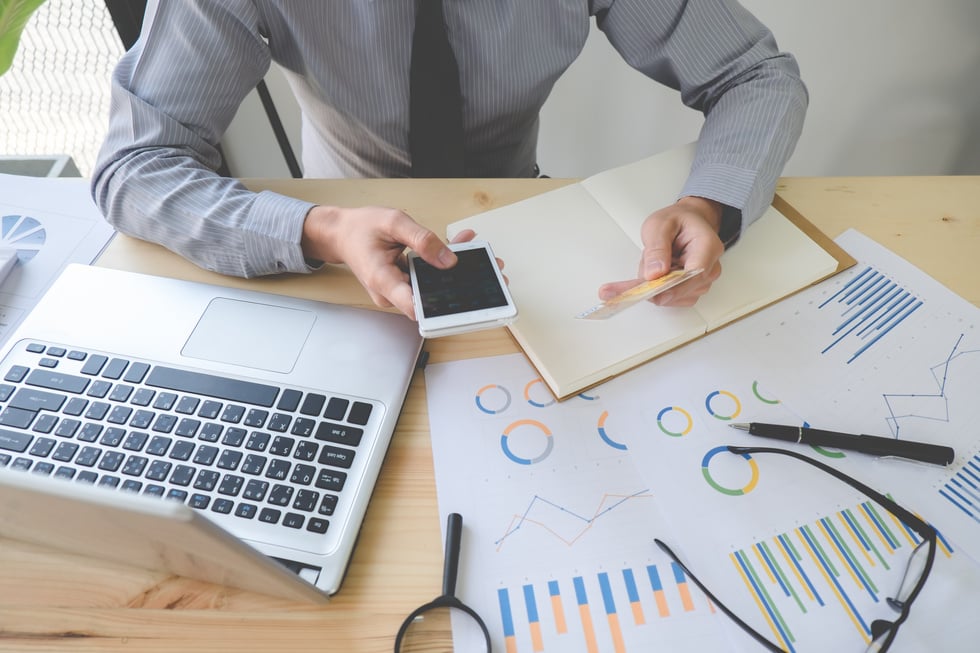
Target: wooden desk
<point>54,602</point>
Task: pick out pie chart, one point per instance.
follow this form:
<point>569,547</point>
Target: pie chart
<point>23,234</point>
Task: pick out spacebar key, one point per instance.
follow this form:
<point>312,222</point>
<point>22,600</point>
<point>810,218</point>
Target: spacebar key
<point>218,387</point>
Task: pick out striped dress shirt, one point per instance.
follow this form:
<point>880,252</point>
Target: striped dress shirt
<point>347,61</point>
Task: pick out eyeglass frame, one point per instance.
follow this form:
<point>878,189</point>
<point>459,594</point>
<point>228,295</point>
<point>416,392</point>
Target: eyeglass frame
<point>879,627</point>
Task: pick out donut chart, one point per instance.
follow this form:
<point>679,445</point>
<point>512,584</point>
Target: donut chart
<point>22,233</point>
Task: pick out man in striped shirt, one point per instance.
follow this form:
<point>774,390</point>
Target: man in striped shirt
<point>177,89</point>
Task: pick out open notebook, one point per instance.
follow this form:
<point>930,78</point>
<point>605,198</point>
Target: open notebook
<point>560,246</point>
<point>217,433</point>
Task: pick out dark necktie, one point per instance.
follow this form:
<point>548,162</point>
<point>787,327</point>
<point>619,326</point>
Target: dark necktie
<point>435,136</point>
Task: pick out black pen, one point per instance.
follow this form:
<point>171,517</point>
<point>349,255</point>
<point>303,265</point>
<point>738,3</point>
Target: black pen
<point>874,445</point>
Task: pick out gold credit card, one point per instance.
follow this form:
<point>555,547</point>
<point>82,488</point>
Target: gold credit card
<point>638,293</point>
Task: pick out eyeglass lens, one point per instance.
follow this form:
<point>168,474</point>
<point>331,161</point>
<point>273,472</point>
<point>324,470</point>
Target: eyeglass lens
<point>429,627</point>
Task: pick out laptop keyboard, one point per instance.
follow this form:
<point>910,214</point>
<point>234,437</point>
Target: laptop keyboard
<point>252,456</point>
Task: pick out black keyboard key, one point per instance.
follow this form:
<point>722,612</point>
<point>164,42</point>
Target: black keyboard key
<point>255,490</point>
<point>210,431</point>
<point>158,446</point>
<point>154,490</point>
<point>45,423</point>
<point>35,348</point>
<point>339,433</point>
<point>336,408</point>
<point>142,397</point>
<point>187,405</point>
<point>16,417</point>
<point>86,476</point>
<point>187,427</point>
<point>205,454</point>
<point>282,446</point>
<point>65,452</point>
<point>231,485</point>
<point>336,457</point>
<point>67,427</point>
<point>328,505</point>
<point>278,469</point>
<point>14,440</point>
<point>303,474</point>
<point>112,460</point>
<point>4,459</point>
<point>22,464</point>
<point>42,447</point>
<point>76,355</point>
<point>94,364</point>
<point>293,520</point>
<point>269,515</point>
<point>246,510</point>
<point>43,468</point>
<point>360,413</point>
<point>48,362</point>
<point>158,470</point>
<point>35,400</point>
<point>280,422</point>
<point>306,450</point>
<point>210,385</point>
<point>135,440</point>
<point>88,456</point>
<point>131,485</point>
<point>258,441</point>
<point>233,413</point>
<point>177,495</point>
<point>199,501</point>
<point>256,418</point>
<point>142,419</point>
<point>90,432</point>
<point>313,404</point>
<point>206,480</point>
<point>317,525</point>
<point>165,401</point>
<point>136,373</point>
<point>289,400</point>
<point>99,389</point>
<point>234,436</point>
<point>134,465</point>
<point>121,392</point>
<point>119,415</point>
<point>109,481</point>
<point>303,426</point>
<point>115,368</point>
<point>75,406</point>
<point>57,352</point>
<point>16,373</point>
<point>112,436</point>
<point>306,500</point>
<point>183,475</point>
<point>65,472</point>
<point>209,409</point>
<point>6,390</point>
<point>331,480</point>
<point>57,381</point>
<point>97,410</point>
<point>182,450</point>
<point>223,506</point>
<point>164,423</point>
<point>280,494</point>
<point>229,459</point>
<point>254,464</point>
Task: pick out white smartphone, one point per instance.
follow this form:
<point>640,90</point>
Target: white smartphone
<point>469,296</point>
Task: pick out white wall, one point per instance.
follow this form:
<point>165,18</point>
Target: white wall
<point>894,90</point>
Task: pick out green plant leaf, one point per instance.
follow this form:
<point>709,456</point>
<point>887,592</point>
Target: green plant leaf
<point>14,15</point>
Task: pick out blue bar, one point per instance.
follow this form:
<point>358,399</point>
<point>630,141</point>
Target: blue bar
<point>532,606</point>
<point>678,573</point>
<point>607,597</point>
<point>631,593</point>
<point>580,596</point>
<point>654,578</point>
<point>505,614</point>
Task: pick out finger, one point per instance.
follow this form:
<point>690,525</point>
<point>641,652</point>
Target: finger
<point>464,236</point>
<point>403,229</point>
<point>609,290</point>
<point>658,242</point>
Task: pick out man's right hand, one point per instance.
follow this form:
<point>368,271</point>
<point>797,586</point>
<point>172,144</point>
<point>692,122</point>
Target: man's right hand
<point>371,241</point>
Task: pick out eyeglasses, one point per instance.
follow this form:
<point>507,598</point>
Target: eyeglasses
<point>917,570</point>
<point>428,628</point>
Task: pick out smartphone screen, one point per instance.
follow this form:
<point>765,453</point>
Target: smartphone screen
<point>470,285</point>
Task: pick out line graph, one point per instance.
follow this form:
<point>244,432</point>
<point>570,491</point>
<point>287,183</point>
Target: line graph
<point>564,524</point>
<point>932,406</point>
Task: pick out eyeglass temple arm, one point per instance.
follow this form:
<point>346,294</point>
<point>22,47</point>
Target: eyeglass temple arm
<point>454,533</point>
<point>924,529</point>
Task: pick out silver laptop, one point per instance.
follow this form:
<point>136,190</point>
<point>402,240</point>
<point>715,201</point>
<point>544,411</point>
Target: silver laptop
<point>215,433</point>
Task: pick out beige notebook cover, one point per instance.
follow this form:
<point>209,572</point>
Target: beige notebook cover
<point>560,246</point>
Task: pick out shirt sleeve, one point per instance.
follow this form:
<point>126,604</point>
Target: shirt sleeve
<point>726,64</point>
<point>155,175</point>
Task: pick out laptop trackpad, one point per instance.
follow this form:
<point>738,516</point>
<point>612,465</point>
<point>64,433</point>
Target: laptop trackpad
<point>250,334</point>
